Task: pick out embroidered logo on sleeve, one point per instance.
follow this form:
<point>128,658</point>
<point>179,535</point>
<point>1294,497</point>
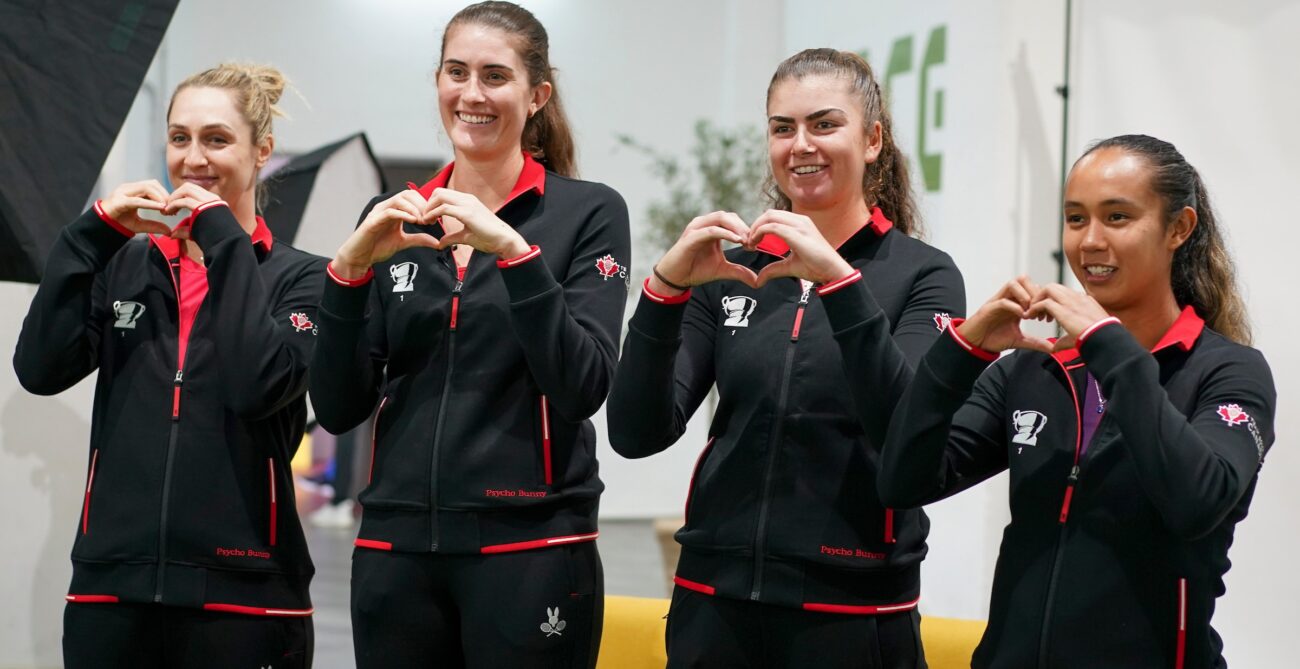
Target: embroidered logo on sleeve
<point>1027,425</point>
<point>403,275</point>
<point>610,268</point>
<point>738,308</point>
<point>1233,414</point>
<point>942,321</point>
<point>301,323</point>
<point>553,624</point>
<point>126,314</point>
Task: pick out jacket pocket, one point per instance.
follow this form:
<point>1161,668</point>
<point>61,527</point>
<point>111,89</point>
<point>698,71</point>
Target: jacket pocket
<point>547,475</point>
<point>374,439</point>
<point>90,485</point>
<point>695,473</point>
<point>274,500</point>
<point>1180,648</point>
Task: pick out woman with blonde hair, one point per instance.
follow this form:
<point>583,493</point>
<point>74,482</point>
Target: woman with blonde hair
<point>188,551</point>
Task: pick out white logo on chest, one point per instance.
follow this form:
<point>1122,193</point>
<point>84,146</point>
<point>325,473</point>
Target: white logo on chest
<point>1027,425</point>
<point>403,275</point>
<point>738,308</point>
<point>127,313</point>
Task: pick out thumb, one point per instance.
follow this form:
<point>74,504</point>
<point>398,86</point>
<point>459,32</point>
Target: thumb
<point>411,240</point>
<point>777,270</point>
<point>739,273</point>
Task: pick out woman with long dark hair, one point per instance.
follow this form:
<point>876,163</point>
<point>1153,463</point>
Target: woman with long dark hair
<point>1134,442</point>
<point>809,332</point>
<point>479,314</point>
<point>189,552</point>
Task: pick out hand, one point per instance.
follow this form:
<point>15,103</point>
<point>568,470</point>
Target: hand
<point>125,202</point>
<point>380,235</point>
<point>187,196</point>
<point>482,229</point>
<point>1072,310</point>
<point>995,326</point>
<point>696,258</point>
<point>811,256</point>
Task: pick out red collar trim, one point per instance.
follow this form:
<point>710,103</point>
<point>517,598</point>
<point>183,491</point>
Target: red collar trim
<point>171,248</point>
<point>878,223</point>
<point>531,178</point>
<point>1183,334</point>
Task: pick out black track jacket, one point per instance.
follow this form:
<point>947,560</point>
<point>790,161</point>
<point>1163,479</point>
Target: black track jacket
<point>782,507</point>
<point>484,385</point>
<point>189,496</point>
<point>1115,558</point>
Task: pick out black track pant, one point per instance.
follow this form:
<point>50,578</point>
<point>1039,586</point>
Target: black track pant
<point>539,608</point>
<point>151,636</point>
<point>714,632</point>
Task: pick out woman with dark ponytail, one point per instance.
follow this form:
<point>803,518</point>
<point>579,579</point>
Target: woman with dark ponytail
<point>1134,442</point>
<point>810,332</point>
<point>478,314</point>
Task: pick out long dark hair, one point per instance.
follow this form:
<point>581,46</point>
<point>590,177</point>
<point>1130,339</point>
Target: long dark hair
<point>546,134</point>
<point>886,183</point>
<point>1203,274</point>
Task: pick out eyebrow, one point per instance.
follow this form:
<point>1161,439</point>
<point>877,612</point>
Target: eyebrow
<point>489,66</point>
<point>1104,203</point>
<point>221,126</point>
<point>811,117</point>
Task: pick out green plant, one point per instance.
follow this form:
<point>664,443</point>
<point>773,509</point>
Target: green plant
<point>724,172</point>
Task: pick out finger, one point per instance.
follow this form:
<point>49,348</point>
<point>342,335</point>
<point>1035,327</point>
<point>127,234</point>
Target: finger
<point>407,207</point>
<point>1029,285</point>
<point>768,226</point>
<point>176,204</point>
<point>419,239</point>
<point>703,236</point>
<point>459,237</point>
<point>1034,344</point>
<point>1064,343</point>
<point>734,223</point>
<point>1044,305</point>
<point>734,272</point>
<point>1016,290</point>
<point>151,227</point>
<point>144,203</point>
<point>777,270</point>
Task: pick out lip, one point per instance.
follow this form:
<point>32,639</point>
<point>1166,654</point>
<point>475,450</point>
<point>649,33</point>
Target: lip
<point>1098,279</point>
<point>200,181</point>
<point>824,169</point>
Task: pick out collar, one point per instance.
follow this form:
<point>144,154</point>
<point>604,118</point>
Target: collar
<point>171,248</point>
<point>877,223</point>
<point>1184,332</point>
<point>531,178</point>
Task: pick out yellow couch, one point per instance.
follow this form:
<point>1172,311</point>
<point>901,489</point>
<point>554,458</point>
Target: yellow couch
<point>634,636</point>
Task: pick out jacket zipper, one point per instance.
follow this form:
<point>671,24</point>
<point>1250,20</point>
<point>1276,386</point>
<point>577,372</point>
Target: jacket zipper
<point>778,430</point>
<point>459,277</point>
<point>1071,482</point>
<point>90,483</point>
<point>172,438</point>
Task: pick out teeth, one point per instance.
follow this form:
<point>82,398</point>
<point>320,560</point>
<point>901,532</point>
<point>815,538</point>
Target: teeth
<point>807,169</point>
<point>475,118</point>
<point>1099,270</point>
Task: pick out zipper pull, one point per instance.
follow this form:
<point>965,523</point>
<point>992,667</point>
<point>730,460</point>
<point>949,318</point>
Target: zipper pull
<point>1069,493</point>
<point>176,394</point>
<point>803,304</point>
<point>455,304</point>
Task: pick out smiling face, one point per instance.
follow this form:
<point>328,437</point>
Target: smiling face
<point>484,95</point>
<point>818,141</point>
<point>210,144</point>
<point>1117,239</point>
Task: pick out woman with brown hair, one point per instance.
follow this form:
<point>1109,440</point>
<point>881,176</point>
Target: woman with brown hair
<point>1134,442</point>
<point>810,332</point>
<point>479,315</point>
<point>188,552</point>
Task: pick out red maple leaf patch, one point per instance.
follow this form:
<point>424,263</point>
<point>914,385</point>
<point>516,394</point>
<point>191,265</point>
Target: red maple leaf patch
<point>608,267</point>
<point>300,322</point>
<point>1233,414</point>
<point>942,321</point>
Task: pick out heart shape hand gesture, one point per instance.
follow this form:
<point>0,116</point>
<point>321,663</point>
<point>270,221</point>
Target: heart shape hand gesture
<point>125,202</point>
<point>697,256</point>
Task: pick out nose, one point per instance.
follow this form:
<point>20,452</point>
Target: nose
<point>194,156</point>
<point>473,91</point>
<point>801,145</point>
<point>1094,236</point>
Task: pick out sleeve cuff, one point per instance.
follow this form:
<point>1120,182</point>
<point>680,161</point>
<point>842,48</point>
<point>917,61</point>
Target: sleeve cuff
<point>827,289</point>
<point>1083,336</point>
<point>103,216</point>
<point>987,356</point>
<point>533,252</point>
<point>663,299</point>
<point>350,283</point>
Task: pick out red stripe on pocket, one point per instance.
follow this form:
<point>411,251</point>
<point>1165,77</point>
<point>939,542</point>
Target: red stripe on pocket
<point>889,527</point>
<point>377,545</point>
<point>546,441</point>
<point>91,599</point>
<point>1181,650</point>
<point>692,585</point>
<point>90,483</point>
<point>270,466</point>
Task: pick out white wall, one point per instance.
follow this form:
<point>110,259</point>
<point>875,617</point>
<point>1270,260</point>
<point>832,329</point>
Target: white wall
<point>1219,82</point>
<point>1207,78</point>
